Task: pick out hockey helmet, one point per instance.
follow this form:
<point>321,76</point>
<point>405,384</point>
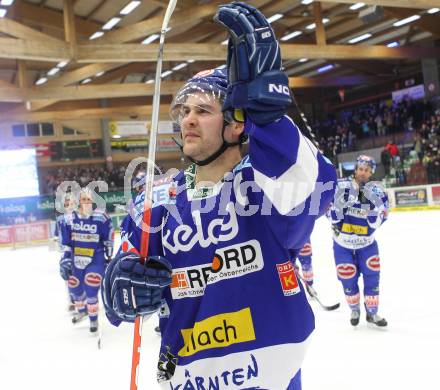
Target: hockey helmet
<point>366,160</point>
<point>138,181</point>
<point>206,87</point>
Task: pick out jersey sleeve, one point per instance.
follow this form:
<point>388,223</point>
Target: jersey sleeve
<point>294,176</point>
<point>65,238</point>
<point>132,228</point>
<point>380,207</point>
<point>108,236</point>
<point>56,231</point>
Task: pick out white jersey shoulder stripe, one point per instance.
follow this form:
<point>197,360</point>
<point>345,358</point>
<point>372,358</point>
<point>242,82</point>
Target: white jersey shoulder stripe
<point>295,185</point>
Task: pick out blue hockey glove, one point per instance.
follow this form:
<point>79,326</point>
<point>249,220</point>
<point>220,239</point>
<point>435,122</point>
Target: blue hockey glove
<point>131,289</point>
<point>66,266</point>
<point>256,82</point>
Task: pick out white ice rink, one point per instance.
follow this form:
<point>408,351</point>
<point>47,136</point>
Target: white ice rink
<point>41,350</point>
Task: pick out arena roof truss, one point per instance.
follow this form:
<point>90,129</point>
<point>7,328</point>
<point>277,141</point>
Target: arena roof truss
<point>83,51</point>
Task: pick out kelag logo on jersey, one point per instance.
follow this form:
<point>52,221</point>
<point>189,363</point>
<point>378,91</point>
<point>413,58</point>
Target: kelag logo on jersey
<point>231,262</point>
<point>218,331</point>
<point>85,227</point>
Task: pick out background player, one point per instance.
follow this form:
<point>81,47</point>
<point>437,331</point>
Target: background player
<point>87,247</point>
<point>138,182</point>
<point>61,221</point>
<point>359,208</point>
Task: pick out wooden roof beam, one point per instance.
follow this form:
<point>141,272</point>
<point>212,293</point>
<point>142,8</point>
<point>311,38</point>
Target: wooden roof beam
<point>70,78</point>
<point>428,23</point>
<point>422,4</point>
<point>48,17</point>
<point>69,27</point>
<point>21,74</point>
<point>86,113</point>
<point>216,52</point>
<point>37,50</point>
<point>18,30</point>
<point>319,30</point>
<point>153,25</point>
<point>9,93</point>
<point>41,51</point>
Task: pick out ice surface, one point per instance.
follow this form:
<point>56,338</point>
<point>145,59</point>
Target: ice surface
<point>41,349</point>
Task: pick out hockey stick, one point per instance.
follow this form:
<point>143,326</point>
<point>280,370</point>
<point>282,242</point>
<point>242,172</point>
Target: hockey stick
<point>313,294</point>
<point>146,219</point>
<point>99,330</point>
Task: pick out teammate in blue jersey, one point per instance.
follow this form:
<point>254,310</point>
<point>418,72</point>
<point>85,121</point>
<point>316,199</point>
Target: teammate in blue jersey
<point>232,313</point>
<point>359,208</point>
<point>61,221</point>
<point>64,218</point>
<point>87,246</point>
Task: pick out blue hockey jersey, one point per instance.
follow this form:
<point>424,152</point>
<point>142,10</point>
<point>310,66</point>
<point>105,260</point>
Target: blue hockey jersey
<point>355,227</point>
<point>60,225</point>
<point>87,238</point>
<point>235,315</point>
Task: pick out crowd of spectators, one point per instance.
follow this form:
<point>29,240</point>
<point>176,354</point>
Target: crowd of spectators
<point>427,146</point>
<point>340,132</point>
<point>337,134</point>
<point>421,153</point>
<point>114,177</point>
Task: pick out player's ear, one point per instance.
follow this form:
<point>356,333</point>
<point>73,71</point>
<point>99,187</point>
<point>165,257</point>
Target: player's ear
<point>237,128</point>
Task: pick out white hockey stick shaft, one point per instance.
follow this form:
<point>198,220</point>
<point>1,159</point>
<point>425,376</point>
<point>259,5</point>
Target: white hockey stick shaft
<point>156,104</point>
<point>149,178</point>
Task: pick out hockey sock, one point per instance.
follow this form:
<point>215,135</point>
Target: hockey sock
<point>353,301</point>
<point>80,303</point>
<point>371,303</point>
<point>307,273</point>
<point>92,308</point>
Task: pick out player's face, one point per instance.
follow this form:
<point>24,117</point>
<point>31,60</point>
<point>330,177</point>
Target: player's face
<point>69,204</point>
<point>86,204</point>
<point>201,125</point>
<point>363,174</point>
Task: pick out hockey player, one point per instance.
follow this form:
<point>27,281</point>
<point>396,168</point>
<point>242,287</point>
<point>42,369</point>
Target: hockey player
<point>359,208</point>
<point>138,183</point>
<point>61,221</point>
<point>233,314</point>
<point>87,247</point>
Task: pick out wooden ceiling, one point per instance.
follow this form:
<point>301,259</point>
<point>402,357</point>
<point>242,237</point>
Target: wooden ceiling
<point>36,35</point>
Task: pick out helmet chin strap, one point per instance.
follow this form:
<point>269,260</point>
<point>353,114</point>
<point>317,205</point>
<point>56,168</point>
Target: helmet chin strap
<point>216,154</point>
